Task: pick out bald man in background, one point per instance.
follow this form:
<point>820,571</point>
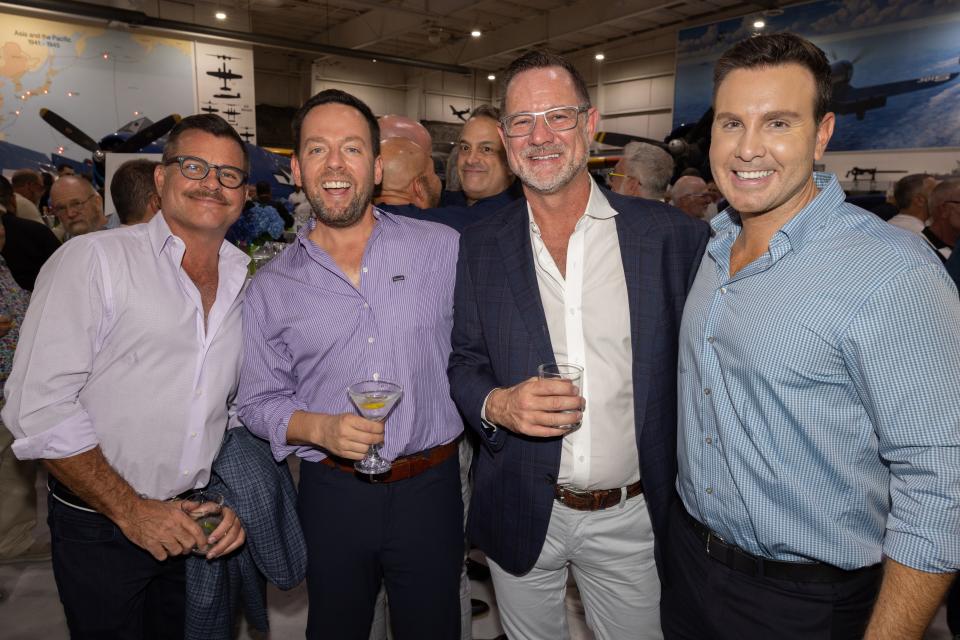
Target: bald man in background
<point>79,207</point>
<point>397,126</point>
<point>408,175</point>
<point>690,195</point>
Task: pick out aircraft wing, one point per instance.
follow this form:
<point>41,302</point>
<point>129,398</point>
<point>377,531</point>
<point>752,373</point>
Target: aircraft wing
<point>224,75</point>
<point>860,99</point>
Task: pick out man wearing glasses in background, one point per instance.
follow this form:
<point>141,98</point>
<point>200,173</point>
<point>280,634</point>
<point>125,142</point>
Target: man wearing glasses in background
<point>570,273</point>
<point>127,361</point>
<point>79,207</point>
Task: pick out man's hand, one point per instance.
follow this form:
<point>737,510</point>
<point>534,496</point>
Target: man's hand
<point>534,407</point>
<point>346,435</point>
<point>227,537</point>
<point>162,528</point>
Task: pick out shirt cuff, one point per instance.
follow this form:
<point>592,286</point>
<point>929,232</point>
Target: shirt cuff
<point>932,554</point>
<point>73,436</point>
<point>483,412</point>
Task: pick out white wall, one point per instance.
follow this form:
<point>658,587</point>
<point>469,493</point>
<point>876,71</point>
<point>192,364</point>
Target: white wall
<point>381,86</point>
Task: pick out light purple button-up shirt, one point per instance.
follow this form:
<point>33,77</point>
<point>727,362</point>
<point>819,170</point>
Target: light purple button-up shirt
<point>309,333</point>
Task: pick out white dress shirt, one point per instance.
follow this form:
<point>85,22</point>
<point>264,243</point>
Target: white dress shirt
<point>588,317</point>
<point>114,352</point>
<point>910,223</point>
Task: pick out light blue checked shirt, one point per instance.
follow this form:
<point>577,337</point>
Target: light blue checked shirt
<point>819,404</point>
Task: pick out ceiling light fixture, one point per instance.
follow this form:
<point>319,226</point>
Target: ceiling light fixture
<point>599,57</point>
<point>491,77</point>
<point>476,33</point>
<point>759,24</point>
<point>220,15</point>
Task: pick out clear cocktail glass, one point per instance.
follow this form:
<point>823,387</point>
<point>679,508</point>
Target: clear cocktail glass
<point>374,400</point>
<point>206,508</point>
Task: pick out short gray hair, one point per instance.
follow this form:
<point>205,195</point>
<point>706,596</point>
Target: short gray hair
<point>650,165</point>
<point>945,190</point>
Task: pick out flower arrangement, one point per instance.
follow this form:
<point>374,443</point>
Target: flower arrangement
<point>256,225</point>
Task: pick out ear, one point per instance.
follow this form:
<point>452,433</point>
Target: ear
<point>824,133</point>
<point>378,170</point>
<point>295,170</point>
<point>154,202</point>
<point>419,192</point>
<point>159,176</point>
<point>593,121</point>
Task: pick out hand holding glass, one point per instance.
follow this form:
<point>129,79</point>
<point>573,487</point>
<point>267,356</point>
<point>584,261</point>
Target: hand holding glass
<point>207,509</point>
<point>374,399</point>
<point>562,371</point>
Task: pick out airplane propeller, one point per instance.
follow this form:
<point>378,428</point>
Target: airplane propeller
<point>134,143</point>
<point>145,136</point>
<point>69,131</point>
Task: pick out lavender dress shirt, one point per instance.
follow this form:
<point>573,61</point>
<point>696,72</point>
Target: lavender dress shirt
<point>309,333</point>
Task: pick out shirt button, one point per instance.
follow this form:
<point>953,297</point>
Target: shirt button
<point>581,458</point>
<point>370,339</point>
<point>706,391</point>
<point>710,490</point>
<point>711,339</point>
<point>709,440</point>
<point>723,289</point>
<point>366,306</point>
<point>186,473</point>
<point>198,392</point>
<point>193,435</point>
<point>364,269</point>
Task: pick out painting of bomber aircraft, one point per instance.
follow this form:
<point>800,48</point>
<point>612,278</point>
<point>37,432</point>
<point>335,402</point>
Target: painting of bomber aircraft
<point>848,99</point>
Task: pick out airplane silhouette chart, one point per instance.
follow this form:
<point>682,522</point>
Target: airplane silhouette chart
<point>848,99</point>
<point>209,108</point>
<point>247,134</point>
<point>231,114</point>
<point>225,75</point>
<point>460,113</point>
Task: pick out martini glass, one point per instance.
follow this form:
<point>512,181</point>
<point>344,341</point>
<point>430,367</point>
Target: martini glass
<point>374,399</point>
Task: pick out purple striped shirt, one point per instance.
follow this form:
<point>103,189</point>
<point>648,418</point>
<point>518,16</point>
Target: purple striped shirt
<point>309,333</point>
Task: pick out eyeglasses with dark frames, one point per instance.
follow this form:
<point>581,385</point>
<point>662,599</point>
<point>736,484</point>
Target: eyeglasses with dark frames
<point>521,124</point>
<point>194,168</point>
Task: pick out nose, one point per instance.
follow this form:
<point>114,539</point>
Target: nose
<point>210,181</point>
<point>541,133</point>
<point>472,156</point>
<point>750,144</point>
<point>334,159</point>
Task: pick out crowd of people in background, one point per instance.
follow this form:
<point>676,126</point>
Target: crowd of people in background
<point>743,336</point>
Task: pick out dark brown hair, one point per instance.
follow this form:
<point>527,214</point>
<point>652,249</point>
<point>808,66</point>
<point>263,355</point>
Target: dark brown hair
<point>775,50</point>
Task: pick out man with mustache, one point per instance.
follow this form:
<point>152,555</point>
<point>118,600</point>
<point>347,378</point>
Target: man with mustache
<point>361,294</point>
<point>127,363</point>
<point>574,274</point>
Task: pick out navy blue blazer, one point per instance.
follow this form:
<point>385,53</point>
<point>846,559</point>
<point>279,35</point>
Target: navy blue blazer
<point>500,336</point>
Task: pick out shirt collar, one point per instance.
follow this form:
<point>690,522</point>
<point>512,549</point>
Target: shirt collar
<point>802,226</point>
<point>303,234</point>
<point>160,237</point>
<point>598,208</point>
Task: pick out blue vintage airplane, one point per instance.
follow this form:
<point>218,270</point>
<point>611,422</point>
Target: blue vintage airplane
<point>849,99</point>
<point>145,136</point>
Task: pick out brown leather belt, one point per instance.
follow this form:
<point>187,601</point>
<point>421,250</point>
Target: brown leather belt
<point>401,468</point>
<point>585,500</point>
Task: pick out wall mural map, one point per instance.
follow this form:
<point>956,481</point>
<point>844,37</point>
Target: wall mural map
<point>98,79</point>
<point>896,68</point>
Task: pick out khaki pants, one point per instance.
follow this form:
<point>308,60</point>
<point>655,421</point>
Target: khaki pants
<point>18,499</point>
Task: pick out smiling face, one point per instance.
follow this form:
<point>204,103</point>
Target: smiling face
<point>335,165</point>
<point>482,161</point>
<point>546,161</point>
<point>766,139</point>
<point>200,206</point>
